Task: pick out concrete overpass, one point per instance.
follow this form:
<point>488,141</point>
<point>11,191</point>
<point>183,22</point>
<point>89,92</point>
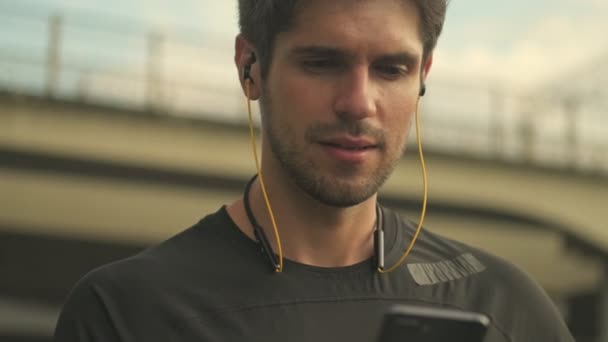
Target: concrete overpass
<point>83,184</point>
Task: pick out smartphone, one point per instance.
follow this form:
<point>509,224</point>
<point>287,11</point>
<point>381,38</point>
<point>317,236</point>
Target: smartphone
<point>412,323</point>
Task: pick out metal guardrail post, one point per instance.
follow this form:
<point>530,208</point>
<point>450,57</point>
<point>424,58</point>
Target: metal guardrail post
<point>496,129</point>
<point>53,65</point>
<point>571,111</point>
<point>526,132</point>
<point>154,81</point>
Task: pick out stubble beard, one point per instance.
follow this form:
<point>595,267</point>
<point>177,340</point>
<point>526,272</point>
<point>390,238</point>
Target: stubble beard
<point>344,189</point>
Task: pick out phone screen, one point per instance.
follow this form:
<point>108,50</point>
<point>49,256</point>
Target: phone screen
<point>407,323</point>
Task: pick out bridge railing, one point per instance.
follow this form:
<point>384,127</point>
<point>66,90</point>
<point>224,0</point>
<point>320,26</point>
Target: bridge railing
<point>116,62</point>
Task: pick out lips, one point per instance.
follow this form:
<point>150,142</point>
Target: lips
<point>349,149</point>
<point>349,143</point>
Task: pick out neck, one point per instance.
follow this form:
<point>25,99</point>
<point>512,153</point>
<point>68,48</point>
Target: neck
<point>311,232</point>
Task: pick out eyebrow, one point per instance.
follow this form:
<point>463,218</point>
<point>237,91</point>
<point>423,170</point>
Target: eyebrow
<point>402,57</point>
<point>318,51</point>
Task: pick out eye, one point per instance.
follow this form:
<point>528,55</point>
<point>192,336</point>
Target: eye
<point>392,71</point>
<point>318,65</point>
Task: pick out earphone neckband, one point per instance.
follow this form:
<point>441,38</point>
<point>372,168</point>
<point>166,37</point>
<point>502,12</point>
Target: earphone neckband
<point>261,238</point>
<point>258,231</point>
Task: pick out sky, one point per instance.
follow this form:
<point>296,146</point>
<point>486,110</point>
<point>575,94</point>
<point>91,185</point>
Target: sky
<point>517,41</point>
<point>529,42</point>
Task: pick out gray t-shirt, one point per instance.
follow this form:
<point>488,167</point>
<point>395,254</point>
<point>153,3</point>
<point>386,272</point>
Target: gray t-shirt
<point>212,283</point>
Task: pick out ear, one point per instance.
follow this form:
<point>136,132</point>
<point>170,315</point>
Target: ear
<point>242,57</point>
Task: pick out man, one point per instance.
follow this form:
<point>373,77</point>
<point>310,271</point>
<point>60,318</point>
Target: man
<point>338,83</point>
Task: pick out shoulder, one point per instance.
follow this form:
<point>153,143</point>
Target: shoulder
<point>118,284</point>
<point>155,264</point>
<point>497,276</point>
<point>517,305</point>
<point>96,305</point>
<point>113,299</point>
<point>473,279</point>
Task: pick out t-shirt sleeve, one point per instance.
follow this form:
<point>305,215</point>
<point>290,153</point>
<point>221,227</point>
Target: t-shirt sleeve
<point>85,316</point>
<point>544,319</point>
<point>523,311</point>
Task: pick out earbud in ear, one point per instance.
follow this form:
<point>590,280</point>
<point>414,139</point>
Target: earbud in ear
<point>247,68</point>
<point>422,89</point>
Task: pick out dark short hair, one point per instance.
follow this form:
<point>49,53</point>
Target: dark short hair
<point>261,21</point>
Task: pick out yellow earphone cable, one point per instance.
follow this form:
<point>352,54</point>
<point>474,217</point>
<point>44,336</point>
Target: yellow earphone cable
<point>424,196</point>
<point>261,178</point>
<point>271,214</point>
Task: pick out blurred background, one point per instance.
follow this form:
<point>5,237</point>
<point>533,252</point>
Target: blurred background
<point>122,123</point>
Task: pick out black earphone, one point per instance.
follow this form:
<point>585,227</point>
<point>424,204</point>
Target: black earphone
<point>247,68</point>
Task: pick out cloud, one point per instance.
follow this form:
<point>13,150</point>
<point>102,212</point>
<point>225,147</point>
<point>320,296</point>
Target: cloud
<point>210,17</point>
<point>547,47</point>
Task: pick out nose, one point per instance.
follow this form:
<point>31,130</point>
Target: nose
<point>354,98</point>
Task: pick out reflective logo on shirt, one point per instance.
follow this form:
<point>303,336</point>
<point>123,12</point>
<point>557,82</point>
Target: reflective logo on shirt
<point>446,270</point>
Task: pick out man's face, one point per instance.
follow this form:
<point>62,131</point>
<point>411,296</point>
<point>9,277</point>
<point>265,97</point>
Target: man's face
<point>340,95</point>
